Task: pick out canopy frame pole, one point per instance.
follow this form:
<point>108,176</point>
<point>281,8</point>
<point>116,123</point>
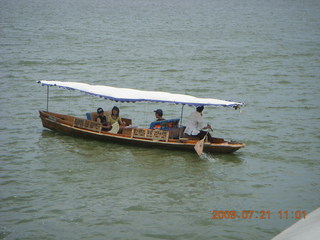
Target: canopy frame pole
<point>47,98</point>
<point>181,117</point>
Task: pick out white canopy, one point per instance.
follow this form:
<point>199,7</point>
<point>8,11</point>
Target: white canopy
<point>133,95</point>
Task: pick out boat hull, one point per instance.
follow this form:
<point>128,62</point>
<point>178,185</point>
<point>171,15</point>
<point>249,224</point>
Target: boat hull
<point>65,124</point>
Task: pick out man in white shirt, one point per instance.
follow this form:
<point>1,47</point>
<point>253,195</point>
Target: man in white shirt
<point>195,125</point>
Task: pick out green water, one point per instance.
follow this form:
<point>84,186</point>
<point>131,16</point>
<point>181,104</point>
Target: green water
<point>263,53</point>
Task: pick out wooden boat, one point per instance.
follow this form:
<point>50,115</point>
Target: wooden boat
<point>165,134</point>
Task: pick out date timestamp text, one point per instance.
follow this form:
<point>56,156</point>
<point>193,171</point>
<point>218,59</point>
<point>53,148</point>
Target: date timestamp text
<point>263,214</point>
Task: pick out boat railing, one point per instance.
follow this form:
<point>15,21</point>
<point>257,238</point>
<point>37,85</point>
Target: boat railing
<point>145,133</point>
<point>87,124</point>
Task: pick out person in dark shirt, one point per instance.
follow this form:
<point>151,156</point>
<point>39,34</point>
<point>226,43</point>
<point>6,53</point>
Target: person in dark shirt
<point>101,118</point>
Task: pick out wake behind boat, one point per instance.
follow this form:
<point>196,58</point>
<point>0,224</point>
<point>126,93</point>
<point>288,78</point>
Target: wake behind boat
<point>166,134</point>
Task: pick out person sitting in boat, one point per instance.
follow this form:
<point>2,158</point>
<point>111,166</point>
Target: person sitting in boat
<point>159,115</point>
<point>114,119</point>
<point>101,118</point>
<point>194,126</point>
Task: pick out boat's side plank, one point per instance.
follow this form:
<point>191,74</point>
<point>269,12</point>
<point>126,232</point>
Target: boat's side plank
<point>65,119</point>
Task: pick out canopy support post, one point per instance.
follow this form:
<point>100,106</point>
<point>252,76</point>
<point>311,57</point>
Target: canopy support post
<point>47,98</point>
<point>181,117</point>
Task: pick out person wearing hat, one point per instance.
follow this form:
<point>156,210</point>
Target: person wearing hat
<point>159,113</point>
<point>194,126</point>
<point>101,118</point>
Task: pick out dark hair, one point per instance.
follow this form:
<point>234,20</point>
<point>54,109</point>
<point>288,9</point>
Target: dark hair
<point>115,108</point>
<point>200,109</point>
